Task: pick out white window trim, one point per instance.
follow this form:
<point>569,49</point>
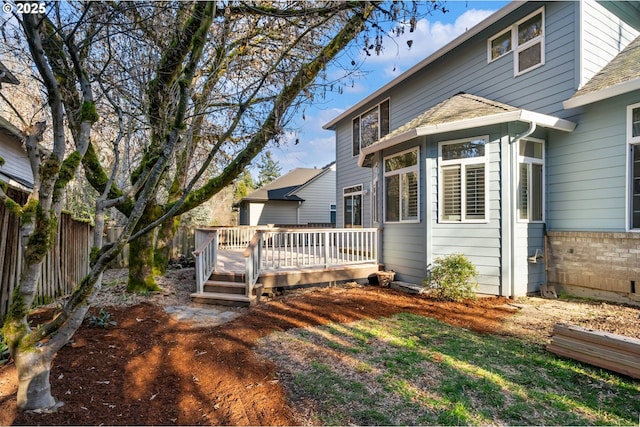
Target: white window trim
<point>353,193</point>
<point>413,168</point>
<point>490,41</point>
<point>472,161</point>
<point>530,161</point>
<point>515,47</point>
<point>359,117</point>
<point>631,141</point>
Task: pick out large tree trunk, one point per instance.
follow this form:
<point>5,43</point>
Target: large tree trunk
<point>141,256</point>
<point>34,389</point>
<point>164,244</point>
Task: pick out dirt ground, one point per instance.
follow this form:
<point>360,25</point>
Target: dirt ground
<point>151,369</point>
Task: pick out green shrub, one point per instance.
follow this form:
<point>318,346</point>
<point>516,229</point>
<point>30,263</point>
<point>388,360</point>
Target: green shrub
<point>102,320</point>
<point>452,278</point>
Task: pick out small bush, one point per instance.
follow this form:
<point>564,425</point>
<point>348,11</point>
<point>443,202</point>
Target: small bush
<point>102,320</point>
<point>452,278</point>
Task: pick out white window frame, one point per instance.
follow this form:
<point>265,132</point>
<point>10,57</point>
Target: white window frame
<point>359,119</point>
<point>484,160</point>
<point>633,143</point>
<point>356,192</point>
<point>531,161</point>
<point>517,48</point>
<point>401,172</point>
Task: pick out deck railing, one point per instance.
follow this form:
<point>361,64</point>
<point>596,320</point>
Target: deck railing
<point>206,256</point>
<point>268,248</point>
<point>253,256</point>
<point>291,248</point>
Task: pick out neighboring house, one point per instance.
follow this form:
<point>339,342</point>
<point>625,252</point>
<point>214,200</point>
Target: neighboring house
<point>301,197</point>
<point>508,146</point>
<point>15,169</point>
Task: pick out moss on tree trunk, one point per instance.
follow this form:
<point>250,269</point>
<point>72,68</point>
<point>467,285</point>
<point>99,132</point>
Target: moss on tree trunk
<point>141,256</point>
<point>164,244</point>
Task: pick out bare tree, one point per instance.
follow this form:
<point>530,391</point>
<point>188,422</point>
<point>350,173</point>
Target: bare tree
<point>163,105</point>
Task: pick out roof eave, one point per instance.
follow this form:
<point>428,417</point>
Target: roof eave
<point>510,116</point>
<point>601,95</point>
<point>490,20</point>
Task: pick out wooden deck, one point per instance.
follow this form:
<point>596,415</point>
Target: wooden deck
<point>231,267</point>
<point>236,265</point>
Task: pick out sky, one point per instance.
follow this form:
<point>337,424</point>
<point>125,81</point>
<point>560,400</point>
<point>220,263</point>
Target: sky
<point>316,146</point>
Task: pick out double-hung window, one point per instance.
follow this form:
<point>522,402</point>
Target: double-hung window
<point>370,126</point>
<point>531,181</point>
<point>525,38</point>
<point>633,136</point>
<point>401,178</point>
<point>463,179</point>
<point>352,197</point>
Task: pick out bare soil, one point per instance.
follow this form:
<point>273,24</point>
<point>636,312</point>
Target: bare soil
<point>151,369</point>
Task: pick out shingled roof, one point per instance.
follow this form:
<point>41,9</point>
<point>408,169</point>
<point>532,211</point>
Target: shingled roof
<point>619,76</point>
<point>282,188</point>
<point>462,111</point>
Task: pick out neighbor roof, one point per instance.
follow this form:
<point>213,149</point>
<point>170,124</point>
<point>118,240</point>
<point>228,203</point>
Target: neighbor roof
<point>619,76</point>
<point>462,111</point>
<point>284,187</point>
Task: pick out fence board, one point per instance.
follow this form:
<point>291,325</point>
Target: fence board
<point>64,266</point>
<point>183,244</point>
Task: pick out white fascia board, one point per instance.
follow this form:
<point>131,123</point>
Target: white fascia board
<point>600,95</point>
<point>542,120</point>
<point>476,29</point>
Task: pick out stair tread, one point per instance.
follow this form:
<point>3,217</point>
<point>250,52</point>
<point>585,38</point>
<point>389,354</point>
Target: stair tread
<point>222,296</point>
<point>225,283</point>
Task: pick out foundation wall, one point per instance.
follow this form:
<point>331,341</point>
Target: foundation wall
<point>601,265</point>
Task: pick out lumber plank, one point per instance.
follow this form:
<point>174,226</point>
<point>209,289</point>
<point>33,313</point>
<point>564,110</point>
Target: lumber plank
<point>614,352</point>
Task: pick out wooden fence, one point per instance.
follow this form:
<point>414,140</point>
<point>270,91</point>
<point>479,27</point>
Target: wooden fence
<point>64,266</point>
<point>183,245</point>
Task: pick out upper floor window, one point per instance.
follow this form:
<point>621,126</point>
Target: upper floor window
<point>531,180</point>
<point>401,187</point>
<point>370,126</point>
<point>463,176</point>
<point>525,38</point>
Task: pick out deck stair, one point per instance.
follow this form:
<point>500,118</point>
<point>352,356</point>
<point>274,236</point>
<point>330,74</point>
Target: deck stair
<point>227,289</point>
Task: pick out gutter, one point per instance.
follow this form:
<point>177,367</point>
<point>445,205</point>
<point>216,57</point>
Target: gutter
<point>600,95</point>
<point>512,208</point>
<point>494,119</point>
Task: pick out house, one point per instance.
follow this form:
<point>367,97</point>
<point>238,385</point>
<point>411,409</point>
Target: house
<point>302,196</point>
<point>15,170</point>
<point>515,144</point>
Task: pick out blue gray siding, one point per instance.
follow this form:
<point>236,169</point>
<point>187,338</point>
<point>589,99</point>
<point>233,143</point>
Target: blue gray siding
<point>586,170</point>
<point>603,36</point>
<point>348,174</point>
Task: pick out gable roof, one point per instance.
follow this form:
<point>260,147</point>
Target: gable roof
<point>285,187</point>
<point>462,111</point>
<point>470,33</point>
<point>619,76</point>
<point>6,76</point>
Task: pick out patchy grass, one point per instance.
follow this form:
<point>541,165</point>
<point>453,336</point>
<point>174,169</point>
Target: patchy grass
<point>408,370</point>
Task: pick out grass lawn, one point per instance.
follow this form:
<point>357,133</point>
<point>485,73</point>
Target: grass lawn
<point>409,370</point>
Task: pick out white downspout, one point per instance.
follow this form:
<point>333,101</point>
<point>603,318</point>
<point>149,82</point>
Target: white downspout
<point>514,201</point>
